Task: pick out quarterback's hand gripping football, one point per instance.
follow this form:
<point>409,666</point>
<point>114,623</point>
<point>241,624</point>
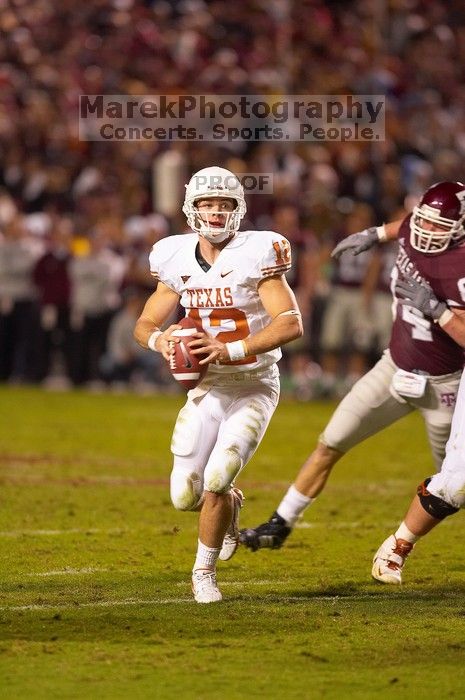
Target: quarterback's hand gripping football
<point>420,295</point>
<point>213,349</point>
<point>164,342</point>
<point>357,242</point>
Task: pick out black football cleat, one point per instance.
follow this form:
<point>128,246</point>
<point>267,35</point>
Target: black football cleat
<point>269,535</point>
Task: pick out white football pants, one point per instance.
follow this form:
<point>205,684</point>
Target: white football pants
<point>216,434</point>
<point>449,483</point>
<point>370,406</point>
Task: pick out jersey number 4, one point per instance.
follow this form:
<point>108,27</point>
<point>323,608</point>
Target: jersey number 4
<point>421,326</point>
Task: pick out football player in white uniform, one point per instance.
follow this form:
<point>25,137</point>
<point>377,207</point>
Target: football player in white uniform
<point>232,284</point>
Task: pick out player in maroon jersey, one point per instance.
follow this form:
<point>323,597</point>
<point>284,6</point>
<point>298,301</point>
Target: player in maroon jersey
<point>420,369</point>
<point>444,493</point>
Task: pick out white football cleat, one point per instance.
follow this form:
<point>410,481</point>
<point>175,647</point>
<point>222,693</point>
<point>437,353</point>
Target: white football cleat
<point>204,586</point>
<point>390,559</point>
<point>231,538</point>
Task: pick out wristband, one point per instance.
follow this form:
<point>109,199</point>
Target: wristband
<point>381,233</point>
<point>236,350</point>
<point>445,317</point>
<point>153,339</point>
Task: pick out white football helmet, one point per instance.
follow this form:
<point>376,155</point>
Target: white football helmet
<point>208,183</point>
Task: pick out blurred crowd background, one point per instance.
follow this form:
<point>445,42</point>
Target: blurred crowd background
<point>78,219</point>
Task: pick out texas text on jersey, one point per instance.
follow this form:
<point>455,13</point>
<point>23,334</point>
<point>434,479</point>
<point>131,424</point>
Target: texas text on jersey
<point>417,341</point>
<point>224,298</point>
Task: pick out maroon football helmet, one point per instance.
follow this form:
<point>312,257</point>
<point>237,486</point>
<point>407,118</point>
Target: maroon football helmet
<point>438,220</point>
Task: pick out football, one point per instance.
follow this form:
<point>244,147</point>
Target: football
<point>184,366</point>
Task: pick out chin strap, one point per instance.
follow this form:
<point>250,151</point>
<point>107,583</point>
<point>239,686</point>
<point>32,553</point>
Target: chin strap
<point>219,238</point>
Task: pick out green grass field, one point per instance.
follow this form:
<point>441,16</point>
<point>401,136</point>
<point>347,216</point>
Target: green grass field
<point>95,565</point>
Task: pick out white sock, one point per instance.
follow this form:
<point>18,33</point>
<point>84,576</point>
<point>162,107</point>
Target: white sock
<point>293,505</point>
<point>403,533</point>
<point>206,557</point>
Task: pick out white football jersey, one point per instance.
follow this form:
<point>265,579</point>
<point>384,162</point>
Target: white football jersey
<point>225,299</point>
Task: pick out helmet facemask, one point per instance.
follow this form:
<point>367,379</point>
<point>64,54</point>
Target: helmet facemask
<point>438,239</point>
<point>213,183</point>
<point>201,221</point>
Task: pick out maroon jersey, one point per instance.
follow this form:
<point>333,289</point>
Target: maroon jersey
<point>417,343</point>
